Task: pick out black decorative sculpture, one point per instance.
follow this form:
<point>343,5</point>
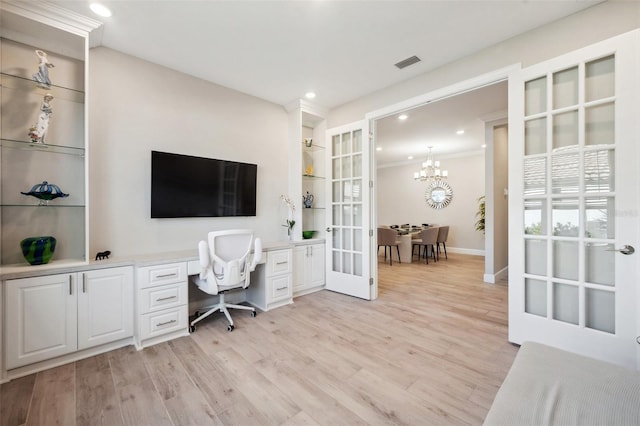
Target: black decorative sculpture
<point>101,255</point>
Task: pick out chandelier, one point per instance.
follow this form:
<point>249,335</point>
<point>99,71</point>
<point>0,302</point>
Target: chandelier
<point>430,170</point>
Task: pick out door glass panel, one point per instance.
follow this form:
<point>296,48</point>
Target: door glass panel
<point>357,215</point>
<point>599,128</point>
<point>336,261</point>
<point>357,141</point>
<point>565,129</point>
<point>357,240</point>
<point>535,136</point>
<point>346,239</point>
<point>535,252</point>
<point>565,303</point>
<point>337,214</point>
<point>599,171</point>
<point>346,167</point>
<point>357,264</point>
<point>600,263</point>
<point>535,94</point>
<point>565,173</point>
<point>336,238</point>
<point>535,217</point>
<point>565,260</point>
<point>599,217</point>
<point>535,176</point>
<point>600,79</point>
<point>346,143</point>
<point>357,165</point>
<point>346,263</point>
<point>565,216</point>
<point>356,191</point>
<point>565,88</point>
<point>337,192</point>
<point>336,148</point>
<point>346,215</point>
<point>336,168</point>
<point>535,297</point>
<point>600,310</point>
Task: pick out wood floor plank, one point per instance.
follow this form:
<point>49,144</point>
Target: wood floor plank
<point>142,405</point>
<point>96,399</point>
<point>15,398</point>
<point>53,400</point>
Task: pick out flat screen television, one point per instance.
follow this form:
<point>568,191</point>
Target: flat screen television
<point>186,186</point>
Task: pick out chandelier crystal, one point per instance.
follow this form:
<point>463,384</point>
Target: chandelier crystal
<point>430,170</point>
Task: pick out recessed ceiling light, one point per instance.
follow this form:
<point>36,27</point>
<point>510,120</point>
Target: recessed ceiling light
<point>379,148</point>
<point>310,95</point>
<point>410,157</point>
<point>403,117</point>
<point>460,132</point>
<point>100,10</point>
<point>484,145</point>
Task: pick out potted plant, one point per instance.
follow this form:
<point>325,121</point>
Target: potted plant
<point>480,214</point>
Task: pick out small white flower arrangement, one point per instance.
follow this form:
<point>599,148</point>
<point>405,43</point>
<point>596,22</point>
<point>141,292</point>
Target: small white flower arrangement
<point>292,208</point>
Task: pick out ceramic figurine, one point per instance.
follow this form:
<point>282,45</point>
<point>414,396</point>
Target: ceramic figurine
<point>42,76</point>
<point>307,200</point>
<point>38,132</point>
<point>308,142</point>
<point>309,170</point>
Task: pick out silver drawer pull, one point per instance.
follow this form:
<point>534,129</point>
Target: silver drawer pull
<point>281,288</point>
<point>165,298</point>
<point>282,263</point>
<point>165,323</point>
<point>173,274</point>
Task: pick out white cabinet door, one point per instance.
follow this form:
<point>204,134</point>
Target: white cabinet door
<point>41,318</point>
<point>316,265</point>
<point>105,306</point>
<point>299,268</point>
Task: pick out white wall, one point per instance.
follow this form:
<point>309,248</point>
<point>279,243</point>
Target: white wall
<point>400,199</point>
<point>578,30</point>
<point>135,107</point>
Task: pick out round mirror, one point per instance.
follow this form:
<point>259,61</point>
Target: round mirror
<point>438,194</point>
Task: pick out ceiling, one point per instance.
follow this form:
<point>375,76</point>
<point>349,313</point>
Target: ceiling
<point>436,124</point>
<point>342,50</point>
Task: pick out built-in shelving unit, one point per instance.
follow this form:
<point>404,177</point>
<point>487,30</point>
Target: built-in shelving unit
<point>62,157</point>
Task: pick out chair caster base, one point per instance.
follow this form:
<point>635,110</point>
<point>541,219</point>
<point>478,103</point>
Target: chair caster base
<point>230,327</point>
<point>192,329</point>
<point>253,314</point>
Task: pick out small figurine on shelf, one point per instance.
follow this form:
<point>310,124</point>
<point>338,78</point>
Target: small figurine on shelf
<point>42,76</point>
<point>309,170</point>
<point>101,255</point>
<point>45,192</point>
<point>38,132</point>
<point>307,200</point>
<point>308,142</point>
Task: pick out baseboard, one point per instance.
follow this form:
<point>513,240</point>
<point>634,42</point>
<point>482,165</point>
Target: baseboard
<point>500,275</point>
<point>473,252</point>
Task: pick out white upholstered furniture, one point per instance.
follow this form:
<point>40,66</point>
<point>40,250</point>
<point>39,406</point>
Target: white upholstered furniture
<point>549,386</point>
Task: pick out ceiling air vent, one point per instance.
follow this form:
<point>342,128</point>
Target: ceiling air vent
<point>406,62</point>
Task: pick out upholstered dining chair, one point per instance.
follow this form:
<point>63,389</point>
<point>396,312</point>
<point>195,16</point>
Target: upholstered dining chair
<point>428,237</point>
<point>389,238</point>
<point>443,234</point>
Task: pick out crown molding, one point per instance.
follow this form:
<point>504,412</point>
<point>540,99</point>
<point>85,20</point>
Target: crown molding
<point>52,15</point>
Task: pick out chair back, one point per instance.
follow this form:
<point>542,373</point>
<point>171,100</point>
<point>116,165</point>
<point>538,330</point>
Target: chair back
<point>443,233</point>
<point>429,235</point>
<point>387,236</point>
<point>226,261</point>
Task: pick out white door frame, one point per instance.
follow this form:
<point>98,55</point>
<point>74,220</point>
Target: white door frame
<point>496,76</point>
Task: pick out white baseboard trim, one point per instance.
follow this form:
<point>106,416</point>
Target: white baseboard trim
<point>473,252</point>
<point>493,278</point>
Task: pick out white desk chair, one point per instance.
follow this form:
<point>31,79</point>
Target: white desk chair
<point>226,265</point>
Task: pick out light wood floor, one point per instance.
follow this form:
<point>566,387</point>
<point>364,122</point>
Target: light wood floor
<point>431,350</point>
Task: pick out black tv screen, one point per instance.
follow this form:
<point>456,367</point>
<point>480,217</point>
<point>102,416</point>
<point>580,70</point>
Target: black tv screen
<point>186,186</point>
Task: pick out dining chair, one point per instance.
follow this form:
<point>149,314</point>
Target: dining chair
<point>443,234</point>
<point>428,237</point>
<point>389,238</point>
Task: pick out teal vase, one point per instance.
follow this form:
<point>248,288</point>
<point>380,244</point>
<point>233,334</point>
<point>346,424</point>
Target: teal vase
<point>38,250</point>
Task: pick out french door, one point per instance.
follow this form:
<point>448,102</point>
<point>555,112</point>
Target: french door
<point>575,202</point>
<point>348,216</point>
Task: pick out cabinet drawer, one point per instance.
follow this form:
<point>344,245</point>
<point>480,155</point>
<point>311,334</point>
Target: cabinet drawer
<point>166,321</point>
<point>278,262</point>
<point>279,287</point>
<point>152,276</point>
<point>162,297</point>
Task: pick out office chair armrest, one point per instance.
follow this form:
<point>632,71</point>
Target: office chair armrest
<point>205,260</point>
<point>257,254</point>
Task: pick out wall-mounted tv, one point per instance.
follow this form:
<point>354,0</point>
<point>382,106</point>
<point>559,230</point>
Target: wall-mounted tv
<point>186,186</point>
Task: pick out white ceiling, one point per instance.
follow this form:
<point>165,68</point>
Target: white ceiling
<point>436,124</point>
<point>278,50</point>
